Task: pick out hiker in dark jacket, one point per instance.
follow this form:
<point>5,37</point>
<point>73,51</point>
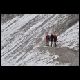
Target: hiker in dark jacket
<point>52,38</point>
<point>47,39</point>
<point>55,38</point>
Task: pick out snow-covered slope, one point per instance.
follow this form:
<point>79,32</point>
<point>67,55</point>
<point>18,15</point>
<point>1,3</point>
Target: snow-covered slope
<point>22,37</point>
<point>70,38</point>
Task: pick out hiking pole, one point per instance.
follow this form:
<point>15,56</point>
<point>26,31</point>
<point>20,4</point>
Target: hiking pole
<point>54,54</point>
<point>54,50</point>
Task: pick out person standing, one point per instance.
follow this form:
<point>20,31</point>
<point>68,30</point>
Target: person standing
<point>52,38</point>
<point>47,39</point>
<point>55,38</point>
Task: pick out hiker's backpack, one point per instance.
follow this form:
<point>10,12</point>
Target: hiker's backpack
<point>48,37</point>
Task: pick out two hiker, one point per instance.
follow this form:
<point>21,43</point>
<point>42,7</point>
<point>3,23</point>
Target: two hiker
<point>52,38</point>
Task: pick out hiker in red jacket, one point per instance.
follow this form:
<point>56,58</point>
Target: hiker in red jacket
<point>47,39</point>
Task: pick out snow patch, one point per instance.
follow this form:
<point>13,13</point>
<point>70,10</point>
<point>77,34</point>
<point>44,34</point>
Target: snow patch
<point>70,38</point>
